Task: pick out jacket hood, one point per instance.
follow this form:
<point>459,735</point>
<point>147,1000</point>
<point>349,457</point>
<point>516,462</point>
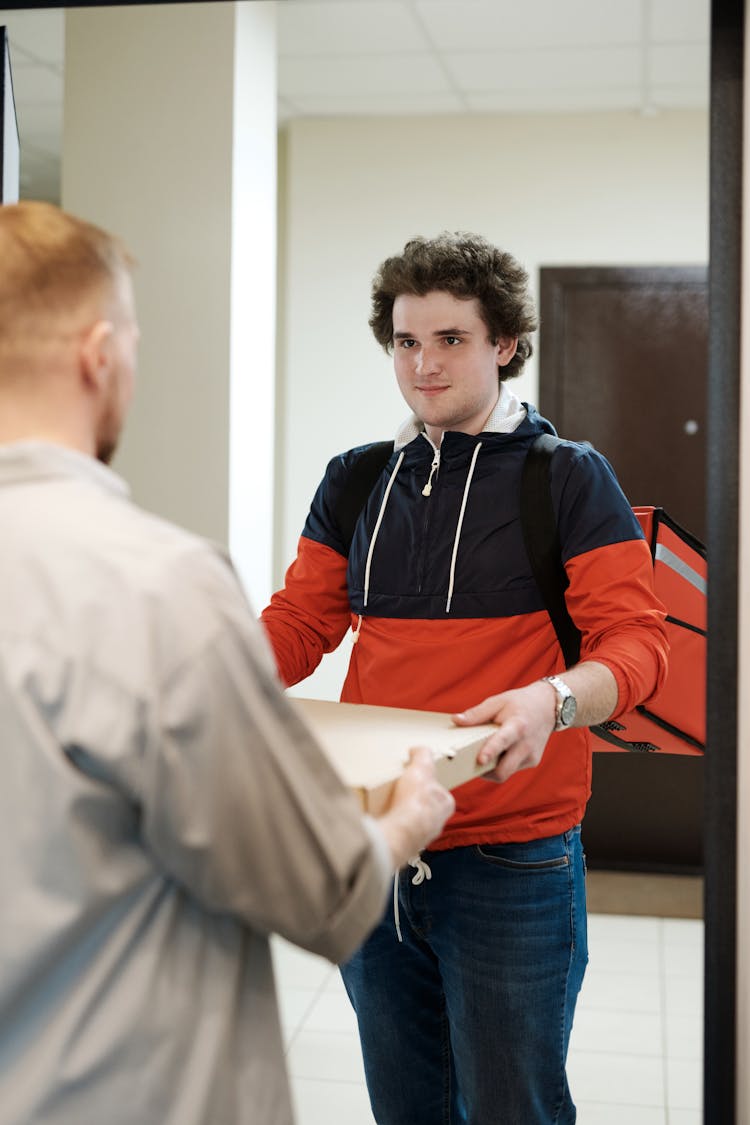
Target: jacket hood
<point>534,424</point>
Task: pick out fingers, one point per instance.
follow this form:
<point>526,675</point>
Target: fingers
<point>506,736</point>
<point>509,750</point>
<point>508,764</point>
<point>420,777</point>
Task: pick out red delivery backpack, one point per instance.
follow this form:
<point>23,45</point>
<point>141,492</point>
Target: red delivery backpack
<point>675,720</point>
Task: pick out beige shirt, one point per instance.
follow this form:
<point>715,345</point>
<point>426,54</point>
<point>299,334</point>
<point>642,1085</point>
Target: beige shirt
<point>163,810</point>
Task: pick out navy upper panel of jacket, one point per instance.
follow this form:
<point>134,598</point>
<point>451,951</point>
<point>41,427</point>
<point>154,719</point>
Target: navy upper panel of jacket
<point>459,552</point>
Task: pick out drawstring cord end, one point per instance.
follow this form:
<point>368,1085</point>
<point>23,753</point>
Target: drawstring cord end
<point>396,918</point>
<point>358,630</point>
<point>422,872</point>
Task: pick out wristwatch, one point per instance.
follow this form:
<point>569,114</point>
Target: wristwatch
<point>565,709</point>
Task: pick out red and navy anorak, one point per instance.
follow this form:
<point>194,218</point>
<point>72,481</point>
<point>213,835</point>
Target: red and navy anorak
<point>450,611</point>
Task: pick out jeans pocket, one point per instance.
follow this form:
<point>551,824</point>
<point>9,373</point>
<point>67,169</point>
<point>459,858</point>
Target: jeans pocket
<point>536,855</point>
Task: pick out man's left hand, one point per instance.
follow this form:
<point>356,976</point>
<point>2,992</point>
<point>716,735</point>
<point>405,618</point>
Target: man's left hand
<point>525,719</point>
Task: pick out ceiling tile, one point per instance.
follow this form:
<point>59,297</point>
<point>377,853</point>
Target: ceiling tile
<point>506,24</point>
<point>478,71</point>
<point>360,74</point>
<point>330,27</point>
<point>682,21</point>
<point>680,97</point>
<point>39,176</point>
<point>35,84</point>
<point>555,101</point>
<point>40,126</point>
<point>679,64</point>
<point>284,108</point>
<point>40,32</point>
<point>19,57</point>
<point>378,105</point>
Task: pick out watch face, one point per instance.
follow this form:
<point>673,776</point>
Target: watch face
<point>568,710</point>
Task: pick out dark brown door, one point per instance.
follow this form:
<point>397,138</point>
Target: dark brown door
<point>623,364</point>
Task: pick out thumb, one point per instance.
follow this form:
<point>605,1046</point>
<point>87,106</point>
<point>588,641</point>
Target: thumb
<point>484,712</point>
<point>420,755</point>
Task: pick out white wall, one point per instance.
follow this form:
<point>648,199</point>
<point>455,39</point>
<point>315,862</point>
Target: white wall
<point>147,176</point>
<point>606,189</point>
<point>170,141</point>
<point>252,347</point>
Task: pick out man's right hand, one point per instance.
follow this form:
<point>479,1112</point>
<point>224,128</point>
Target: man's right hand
<point>419,808</point>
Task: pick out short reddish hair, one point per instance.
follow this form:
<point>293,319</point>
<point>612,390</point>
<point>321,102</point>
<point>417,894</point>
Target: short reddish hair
<point>50,263</point>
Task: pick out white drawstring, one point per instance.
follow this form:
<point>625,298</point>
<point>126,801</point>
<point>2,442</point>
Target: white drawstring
<point>433,469</point>
<point>467,486</point>
<point>423,872</point>
<point>425,492</point>
<point>396,918</point>
<point>381,513</point>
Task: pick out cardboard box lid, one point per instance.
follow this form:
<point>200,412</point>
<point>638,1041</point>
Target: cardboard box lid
<point>369,746</point>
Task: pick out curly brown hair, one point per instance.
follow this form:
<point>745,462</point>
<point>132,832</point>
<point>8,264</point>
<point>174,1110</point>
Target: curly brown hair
<point>468,266</point>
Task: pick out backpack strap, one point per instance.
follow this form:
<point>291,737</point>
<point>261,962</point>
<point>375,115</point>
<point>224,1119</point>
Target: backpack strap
<point>543,547</point>
<point>362,478</point>
<point>542,541</point>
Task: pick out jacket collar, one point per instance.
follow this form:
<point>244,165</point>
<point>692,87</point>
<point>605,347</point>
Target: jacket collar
<point>507,415</point>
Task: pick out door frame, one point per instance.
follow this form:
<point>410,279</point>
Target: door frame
<point>723,512</point>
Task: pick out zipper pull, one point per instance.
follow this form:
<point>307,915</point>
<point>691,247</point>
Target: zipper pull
<point>433,469</point>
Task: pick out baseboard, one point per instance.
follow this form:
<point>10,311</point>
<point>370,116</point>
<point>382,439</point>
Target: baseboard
<point>628,892</point>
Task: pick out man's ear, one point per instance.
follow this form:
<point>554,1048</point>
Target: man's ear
<point>506,349</point>
<point>96,352</point>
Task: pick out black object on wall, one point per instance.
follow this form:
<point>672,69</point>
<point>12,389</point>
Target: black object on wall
<point>10,151</point>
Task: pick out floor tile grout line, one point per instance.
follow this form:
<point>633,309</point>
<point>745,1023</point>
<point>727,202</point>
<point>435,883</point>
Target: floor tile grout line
<point>308,1010</point>
<point>663,1005</point>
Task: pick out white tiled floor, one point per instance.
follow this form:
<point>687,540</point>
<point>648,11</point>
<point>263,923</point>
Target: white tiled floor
<point>636,1050</point>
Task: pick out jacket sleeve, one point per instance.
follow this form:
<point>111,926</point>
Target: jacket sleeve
<point>611,593</point>
<point>239,803</point>
<point>310,615</point>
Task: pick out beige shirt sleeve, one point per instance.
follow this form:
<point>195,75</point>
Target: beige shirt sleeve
<point>240,804</point>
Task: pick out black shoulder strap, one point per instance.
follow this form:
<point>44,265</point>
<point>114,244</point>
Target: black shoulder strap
<point>543,543</point>
<point>358,486</point>
<point>543,546</point>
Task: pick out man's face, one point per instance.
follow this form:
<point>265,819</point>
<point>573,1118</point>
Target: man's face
<point>445,364</point>
<point>125,337</point>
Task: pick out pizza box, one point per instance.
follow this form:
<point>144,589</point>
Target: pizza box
<point>369,746</point>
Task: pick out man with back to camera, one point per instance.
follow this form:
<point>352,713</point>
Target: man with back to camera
<point>163,807</point>
<point>465,994</point>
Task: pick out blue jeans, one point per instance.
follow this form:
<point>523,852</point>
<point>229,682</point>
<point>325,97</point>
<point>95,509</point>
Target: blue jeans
<point>467,1019</point>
